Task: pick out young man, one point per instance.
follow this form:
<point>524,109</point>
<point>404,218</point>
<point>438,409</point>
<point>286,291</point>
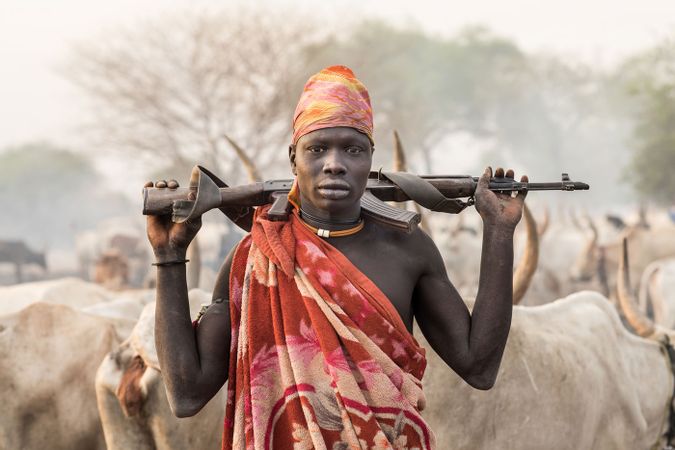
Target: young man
<point>311,318</point>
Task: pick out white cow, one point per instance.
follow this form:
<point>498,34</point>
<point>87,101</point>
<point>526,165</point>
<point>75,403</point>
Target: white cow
<point>572,377</point>
<point>645,246</point>
<point>48,359</point>
<point>70,291</point>
<point>124,235</point>
<point>132,400</point>
<point>53,336</point>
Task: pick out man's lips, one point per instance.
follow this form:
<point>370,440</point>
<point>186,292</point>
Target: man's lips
<point>334,190</point>
<point>337,185</point>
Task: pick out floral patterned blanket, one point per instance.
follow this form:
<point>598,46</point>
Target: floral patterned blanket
<point>320,358</point>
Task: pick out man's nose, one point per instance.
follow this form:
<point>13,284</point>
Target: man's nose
<point>333,163</point>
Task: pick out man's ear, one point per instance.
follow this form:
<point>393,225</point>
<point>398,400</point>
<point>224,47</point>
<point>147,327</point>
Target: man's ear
<point>291,157</point>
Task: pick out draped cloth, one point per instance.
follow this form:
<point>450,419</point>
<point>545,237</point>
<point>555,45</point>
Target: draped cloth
<point>320,358</point>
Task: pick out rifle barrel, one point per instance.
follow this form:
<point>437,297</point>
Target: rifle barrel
<point>159,201</point>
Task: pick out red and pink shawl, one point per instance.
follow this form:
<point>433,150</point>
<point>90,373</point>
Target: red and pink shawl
<point>320,359</point>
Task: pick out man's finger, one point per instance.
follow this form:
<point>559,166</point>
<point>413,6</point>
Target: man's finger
<point>499,173</point>
<point>160,184</point>
<point>172,184</point>
<point>522,194</point>
<point>484,180</point>
<point>509,173</point>
<point>149,184</point>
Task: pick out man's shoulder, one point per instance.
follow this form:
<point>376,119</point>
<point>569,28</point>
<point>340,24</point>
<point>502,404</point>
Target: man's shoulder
<point>417,242</point>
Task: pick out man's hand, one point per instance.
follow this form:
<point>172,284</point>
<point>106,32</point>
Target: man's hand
<point>499,209</point>
<point>170,240</point>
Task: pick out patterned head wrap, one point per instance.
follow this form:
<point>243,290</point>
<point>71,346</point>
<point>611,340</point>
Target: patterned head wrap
<point>333,98</point>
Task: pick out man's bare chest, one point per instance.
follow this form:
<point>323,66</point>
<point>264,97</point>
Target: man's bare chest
<point>390,269</point>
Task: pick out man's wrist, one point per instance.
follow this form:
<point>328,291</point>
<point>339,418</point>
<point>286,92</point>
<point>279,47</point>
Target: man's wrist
<point>500,231</point>
<point>164,255</point>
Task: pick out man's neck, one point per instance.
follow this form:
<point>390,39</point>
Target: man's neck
<point>330,223</point>
<point>329,220</point>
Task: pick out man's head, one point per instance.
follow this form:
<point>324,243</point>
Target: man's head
<point>332,166</point>
<point>332,147</point>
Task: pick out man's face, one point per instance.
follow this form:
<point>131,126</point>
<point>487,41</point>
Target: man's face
<point>332,166</point>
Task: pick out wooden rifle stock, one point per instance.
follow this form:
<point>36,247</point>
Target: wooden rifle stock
<point>435,192</point>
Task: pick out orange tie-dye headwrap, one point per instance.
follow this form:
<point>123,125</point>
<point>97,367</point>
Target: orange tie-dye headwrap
<point>333,97</point>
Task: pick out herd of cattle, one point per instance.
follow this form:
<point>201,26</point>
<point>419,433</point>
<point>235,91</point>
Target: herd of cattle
<point>586,364</point>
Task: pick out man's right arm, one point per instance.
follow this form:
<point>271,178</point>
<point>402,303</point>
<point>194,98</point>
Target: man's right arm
<point>194,362</point>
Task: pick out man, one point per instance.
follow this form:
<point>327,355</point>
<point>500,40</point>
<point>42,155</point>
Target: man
<point>311,318</point>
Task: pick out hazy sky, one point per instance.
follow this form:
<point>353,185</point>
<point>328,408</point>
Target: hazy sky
<point>35,103</point>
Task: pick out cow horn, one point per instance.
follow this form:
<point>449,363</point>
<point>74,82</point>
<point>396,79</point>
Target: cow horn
<point>651,299</point>
<point>642,325</point>
<point>251,169</point>
<point>399,154</point>
<point>586,262</point>
<point>400,165</point>
<point>645,298</point>
<point>543,225</point>
<point>528,263</point>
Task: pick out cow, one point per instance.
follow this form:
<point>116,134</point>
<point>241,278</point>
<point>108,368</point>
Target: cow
<point>646,244</point>
<point>122,235</point>
<point>461,252</point>
<point>572,377</point>
<point>71,291</point>
<point>49,354</point>
<point>111,270</point>
<point>53,336</point>
<point>20,255</point>
<point>132,401</point>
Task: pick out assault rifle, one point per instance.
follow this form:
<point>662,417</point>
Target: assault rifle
<point>434,192</point>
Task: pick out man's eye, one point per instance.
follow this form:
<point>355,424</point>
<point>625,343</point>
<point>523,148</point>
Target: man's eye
<point>315,149</point>
<point>354,150</point>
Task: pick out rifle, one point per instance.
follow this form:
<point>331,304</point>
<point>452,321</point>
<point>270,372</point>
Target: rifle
<point>435,192</point>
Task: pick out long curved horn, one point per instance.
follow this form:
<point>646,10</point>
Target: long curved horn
<point>642,325</point>
<point>586,263</point>
<point>644,297</point>
<point>251,169</point>
<point>400,165</point>
<point>593,228</point>
<point>399,155</point>
<point>528,263</point>
<point>543,225</point>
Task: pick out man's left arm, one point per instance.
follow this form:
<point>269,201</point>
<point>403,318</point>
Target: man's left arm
<point>472,344</point>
